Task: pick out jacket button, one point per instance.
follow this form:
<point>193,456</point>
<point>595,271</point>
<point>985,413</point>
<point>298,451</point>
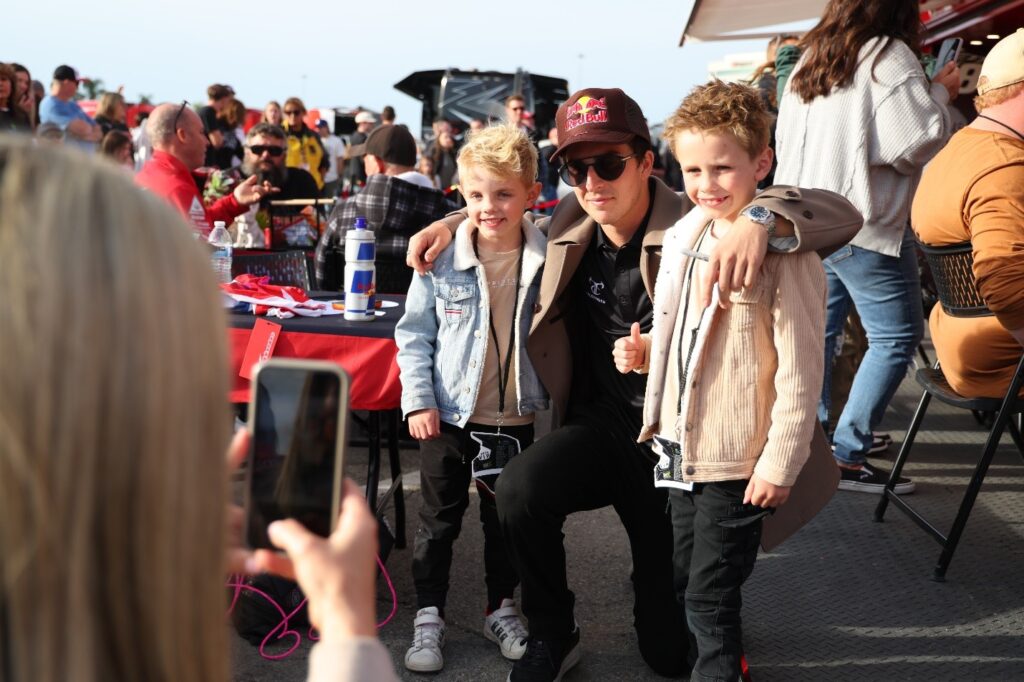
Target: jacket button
<point>472,364</point>
<point>689,426</point>
<point>690,471</point>
<point>476,333</point>
<point>808,214</point>
<point>536,308</point>
<point>456,417</point>
<point>466,389</point>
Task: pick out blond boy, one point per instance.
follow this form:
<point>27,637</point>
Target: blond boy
<point>469,390</point>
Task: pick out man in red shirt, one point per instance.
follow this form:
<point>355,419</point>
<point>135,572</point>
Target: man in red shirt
<point>179,147</point>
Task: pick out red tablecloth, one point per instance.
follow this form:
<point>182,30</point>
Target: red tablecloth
<point>369,360</point>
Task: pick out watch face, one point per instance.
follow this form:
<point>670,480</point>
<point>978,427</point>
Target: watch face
<point>759,214</point>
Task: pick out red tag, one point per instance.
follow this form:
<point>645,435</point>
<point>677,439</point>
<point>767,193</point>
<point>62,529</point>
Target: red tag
<point>261,344</point>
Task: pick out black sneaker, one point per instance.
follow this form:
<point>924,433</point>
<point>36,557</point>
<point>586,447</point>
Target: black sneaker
<point>868,479</point>
<point>880,442</point>
<point>546,660</point>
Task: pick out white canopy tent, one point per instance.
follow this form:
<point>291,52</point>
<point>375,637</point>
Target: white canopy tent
<point>747,19</point>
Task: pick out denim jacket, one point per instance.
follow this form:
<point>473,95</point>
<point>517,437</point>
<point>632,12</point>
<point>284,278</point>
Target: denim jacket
<point>444,336</point>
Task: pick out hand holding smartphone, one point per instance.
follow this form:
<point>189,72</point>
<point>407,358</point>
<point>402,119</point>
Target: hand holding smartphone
<point>297,417</point>
<point>949,51</point>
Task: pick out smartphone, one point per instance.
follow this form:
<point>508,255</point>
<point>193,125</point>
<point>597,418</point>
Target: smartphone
<point>297,417</point>
<point>949,51</point>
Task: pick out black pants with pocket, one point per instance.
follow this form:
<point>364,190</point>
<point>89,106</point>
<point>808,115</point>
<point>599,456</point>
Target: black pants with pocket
<point>445,475</point>
<point>716,542</point>
<point>592,462</point>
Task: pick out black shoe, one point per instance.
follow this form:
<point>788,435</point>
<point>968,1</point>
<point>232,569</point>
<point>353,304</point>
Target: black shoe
<point>546,660</point>
<point>868,479</point>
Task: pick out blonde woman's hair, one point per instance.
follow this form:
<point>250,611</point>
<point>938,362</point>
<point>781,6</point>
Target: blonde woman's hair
<point>113,427</point>
<point>500,149</point>
<point>108,101</point>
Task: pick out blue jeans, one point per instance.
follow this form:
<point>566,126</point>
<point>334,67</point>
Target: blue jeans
<point>887,293</point>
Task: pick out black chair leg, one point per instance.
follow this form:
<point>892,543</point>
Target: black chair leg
<point>973,488</point>
<point>924,355</point>
<point>373,468</point>
<point>396,477</point>
<point>901,458</point>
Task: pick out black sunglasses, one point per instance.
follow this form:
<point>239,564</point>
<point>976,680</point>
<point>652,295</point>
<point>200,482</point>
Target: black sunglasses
<point>607,166</point>
<point>293,112</point>
<point>177,116</point>
<point>272,149</point>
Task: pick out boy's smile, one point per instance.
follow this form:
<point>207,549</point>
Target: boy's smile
<point>719,174</point>
<point>496,204</point>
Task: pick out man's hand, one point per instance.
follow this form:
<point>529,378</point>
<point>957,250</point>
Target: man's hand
<point>630,352</point>
<point>250,191</point>
<point>426,245</point>
<point>337,574</point>
<point>425,424</point>
<point>734,260</point>
<point>765,494</point>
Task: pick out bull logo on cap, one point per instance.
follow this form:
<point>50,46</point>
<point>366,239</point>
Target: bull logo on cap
<point>586,110</point>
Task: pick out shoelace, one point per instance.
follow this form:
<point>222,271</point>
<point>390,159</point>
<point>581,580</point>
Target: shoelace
<point>510,623</point>
<point>427,636</point>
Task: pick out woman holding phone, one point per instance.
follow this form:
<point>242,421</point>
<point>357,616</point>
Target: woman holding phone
<point>113,428</point>
<point>860,117</point>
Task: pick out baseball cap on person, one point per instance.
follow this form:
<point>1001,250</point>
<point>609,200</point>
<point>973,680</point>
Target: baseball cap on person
<point>394,144</point>
<point>599,115</point>
<point>1004,64</point>
<point>65,73</point>
<point>365,117</point>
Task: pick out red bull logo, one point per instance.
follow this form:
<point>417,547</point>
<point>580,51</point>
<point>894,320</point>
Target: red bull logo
<point>586,110</point>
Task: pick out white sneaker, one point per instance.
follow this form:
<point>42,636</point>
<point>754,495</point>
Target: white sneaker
<point>505,627</point>
<point>424,656</point>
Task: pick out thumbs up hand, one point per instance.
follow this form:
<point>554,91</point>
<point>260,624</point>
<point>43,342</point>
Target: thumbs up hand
<point>630,351</point>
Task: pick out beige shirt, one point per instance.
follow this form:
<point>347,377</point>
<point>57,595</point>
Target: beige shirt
<point>500,269</point>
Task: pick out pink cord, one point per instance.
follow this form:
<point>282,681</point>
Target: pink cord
<point>237,581</point>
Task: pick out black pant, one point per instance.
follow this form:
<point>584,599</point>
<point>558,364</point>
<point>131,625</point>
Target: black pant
<point>588,464</point>
<point>716,541</point>
<point>444,478</point>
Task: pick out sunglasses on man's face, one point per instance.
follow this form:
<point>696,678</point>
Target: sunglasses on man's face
<point>607,166</point>
<point>292,112</point>
<point>272,149</point>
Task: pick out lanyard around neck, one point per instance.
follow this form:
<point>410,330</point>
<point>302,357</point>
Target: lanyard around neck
<point>998,122</point>
<point>503,372</point>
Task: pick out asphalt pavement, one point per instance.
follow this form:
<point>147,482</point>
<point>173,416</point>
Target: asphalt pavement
<point>844,599</point>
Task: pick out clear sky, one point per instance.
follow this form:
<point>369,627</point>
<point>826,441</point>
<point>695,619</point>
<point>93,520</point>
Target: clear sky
<point>348,54</point>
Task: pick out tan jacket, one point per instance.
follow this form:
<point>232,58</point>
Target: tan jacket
<point>750,399</point>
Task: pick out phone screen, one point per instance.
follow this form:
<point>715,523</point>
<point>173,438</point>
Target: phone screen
<point>949,50</point>
<point>298,418</point>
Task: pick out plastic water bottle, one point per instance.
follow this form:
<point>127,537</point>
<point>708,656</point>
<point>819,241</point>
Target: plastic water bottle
<point>220,240</point>
<point>360,273</point>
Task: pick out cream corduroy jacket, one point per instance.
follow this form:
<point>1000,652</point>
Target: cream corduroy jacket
<point>750,403</point>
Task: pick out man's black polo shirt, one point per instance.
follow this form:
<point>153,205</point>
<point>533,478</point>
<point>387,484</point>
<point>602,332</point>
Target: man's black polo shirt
<point>610,294</point>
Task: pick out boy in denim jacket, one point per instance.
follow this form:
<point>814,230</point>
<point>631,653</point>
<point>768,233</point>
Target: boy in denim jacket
<point>732,388</point>
<point>469,390</point>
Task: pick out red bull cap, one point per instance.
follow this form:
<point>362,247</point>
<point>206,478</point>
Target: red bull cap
<point>599,115</point>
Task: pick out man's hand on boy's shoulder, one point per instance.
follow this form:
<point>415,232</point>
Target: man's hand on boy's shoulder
<point>734,261</point>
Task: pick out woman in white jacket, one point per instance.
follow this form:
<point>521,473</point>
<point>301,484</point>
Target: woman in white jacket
<point>860,117</point>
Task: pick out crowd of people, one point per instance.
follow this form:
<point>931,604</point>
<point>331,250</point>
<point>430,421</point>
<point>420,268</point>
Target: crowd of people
<point>684,344</point>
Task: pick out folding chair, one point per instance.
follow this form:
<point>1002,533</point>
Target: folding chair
<point>958,295</point>
<point>285,268</point>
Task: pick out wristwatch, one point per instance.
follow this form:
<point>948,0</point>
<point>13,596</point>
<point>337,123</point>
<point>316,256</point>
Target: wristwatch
<point>761,216</point>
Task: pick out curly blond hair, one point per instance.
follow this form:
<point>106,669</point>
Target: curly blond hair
<point>719,107</point>
<point>500,149</point>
